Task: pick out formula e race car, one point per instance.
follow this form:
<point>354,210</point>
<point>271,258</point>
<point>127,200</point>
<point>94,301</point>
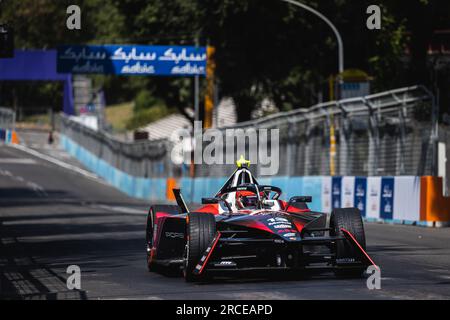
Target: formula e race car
<point>246,227</point>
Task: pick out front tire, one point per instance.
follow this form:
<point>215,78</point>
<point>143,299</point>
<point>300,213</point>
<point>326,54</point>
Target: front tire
<point>200,231</point>
<point>349,219</point>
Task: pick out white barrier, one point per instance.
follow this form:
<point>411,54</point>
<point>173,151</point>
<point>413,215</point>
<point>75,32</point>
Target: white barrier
<point>394,199</point>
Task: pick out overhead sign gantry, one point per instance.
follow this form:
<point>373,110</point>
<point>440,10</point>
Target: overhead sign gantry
<point>133,60</point>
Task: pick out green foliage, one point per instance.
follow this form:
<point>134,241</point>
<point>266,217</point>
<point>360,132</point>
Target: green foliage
<point>144,100</point>
<point>264,48</point>
<point>143,117</point>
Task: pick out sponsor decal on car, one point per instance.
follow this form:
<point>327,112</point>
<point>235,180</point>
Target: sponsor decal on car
<point>289,235</point>
<point>282,226</point>
<point>287,230</point>
<point>174,235</point>
<point>279,223</point>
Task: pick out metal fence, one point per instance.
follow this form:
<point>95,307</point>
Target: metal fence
<point>142,159</point>
<point>389,133</point>
<point>7,118</point>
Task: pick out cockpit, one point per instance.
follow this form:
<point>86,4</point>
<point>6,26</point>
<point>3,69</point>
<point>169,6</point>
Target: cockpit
<point>242,192</point>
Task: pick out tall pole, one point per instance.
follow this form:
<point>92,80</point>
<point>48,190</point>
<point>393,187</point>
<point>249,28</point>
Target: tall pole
<point>332,152</point>
<point>335,31</point>
<point>210,84</point>
<point>196,98</point>
<point>196,91</point>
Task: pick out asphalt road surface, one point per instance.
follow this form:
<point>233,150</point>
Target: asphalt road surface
<point>52,217</point>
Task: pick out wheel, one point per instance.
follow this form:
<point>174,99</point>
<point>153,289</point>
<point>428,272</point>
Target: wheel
<point>200,230</point>
<point>349,219</point>
<point>171,209</point>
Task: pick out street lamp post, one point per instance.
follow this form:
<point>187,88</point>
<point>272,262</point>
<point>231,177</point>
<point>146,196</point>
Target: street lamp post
<point>335,31</point>
<point>340,43</point>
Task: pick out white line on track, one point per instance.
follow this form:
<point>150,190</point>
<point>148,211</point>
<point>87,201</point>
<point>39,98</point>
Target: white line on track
<point>75,169</point>
<point>36,188</point>
<point>60,163</point>
<point>119,209</point>
<point>17,161</point>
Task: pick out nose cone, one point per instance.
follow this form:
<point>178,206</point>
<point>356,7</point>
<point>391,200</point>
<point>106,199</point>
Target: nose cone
<point>283,226</point>
<point>275,222</point>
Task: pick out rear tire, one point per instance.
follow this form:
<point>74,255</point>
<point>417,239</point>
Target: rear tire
<point>349,219</point>
<point>200,231</point>
<point>170,209</point>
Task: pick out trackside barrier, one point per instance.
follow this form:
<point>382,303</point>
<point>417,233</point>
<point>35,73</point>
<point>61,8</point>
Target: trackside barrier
<point>9,136</point>
<point>434,207</point>
<point>401,199</point>
<point>153,189</point>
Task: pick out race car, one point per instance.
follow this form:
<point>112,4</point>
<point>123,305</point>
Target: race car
<point>246,227</point>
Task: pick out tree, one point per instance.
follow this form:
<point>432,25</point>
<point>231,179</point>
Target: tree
<point>264,48</point>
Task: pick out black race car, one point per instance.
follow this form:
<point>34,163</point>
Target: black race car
<point>246,227</point>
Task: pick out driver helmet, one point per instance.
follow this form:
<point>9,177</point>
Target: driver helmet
<point>246,200</point>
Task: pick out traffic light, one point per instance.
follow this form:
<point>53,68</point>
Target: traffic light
<point>6,41</point>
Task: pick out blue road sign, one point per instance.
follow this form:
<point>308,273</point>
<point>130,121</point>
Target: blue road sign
<point>132,60</point>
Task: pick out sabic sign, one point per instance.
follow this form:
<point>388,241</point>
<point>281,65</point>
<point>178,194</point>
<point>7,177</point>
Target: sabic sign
<point>132,60</point>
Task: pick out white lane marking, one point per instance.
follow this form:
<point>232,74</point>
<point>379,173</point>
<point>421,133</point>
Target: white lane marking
<point>34,186</point>
<point>37,188</point>
<point>5,173</point>
<point>439,270</point>
<point>17,161</point>
<point>119,209</point>
<point>60,163</point>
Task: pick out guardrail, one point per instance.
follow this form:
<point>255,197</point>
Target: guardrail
<point>389,133</point>
<point>141,159</point>
<point>378,137</point>
<point>402,200</point>
<point>382,134</point>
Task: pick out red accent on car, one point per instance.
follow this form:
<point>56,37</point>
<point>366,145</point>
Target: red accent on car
<point>255,225</point>
<point>284,206</point>
<point>159,222</point>
<point>348,233</point>
<point>210,252</point>
<point>161,214</point>
<point>299,225</point>
<point>209,208</point>
<point>152,254</point>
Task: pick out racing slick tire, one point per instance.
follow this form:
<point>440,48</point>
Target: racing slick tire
<point>200,231</point>
<point>349,219</point>
<point>170,209</point>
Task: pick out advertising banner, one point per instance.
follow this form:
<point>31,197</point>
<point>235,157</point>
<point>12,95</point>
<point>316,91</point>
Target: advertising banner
<point>326,194</point>
<point>373,197</point>
<point>387,198</point>
<point>407,198</point>
<point>336,192</point>
<point>132,60</point>
<point>360,194</point>
<point>348,191</point>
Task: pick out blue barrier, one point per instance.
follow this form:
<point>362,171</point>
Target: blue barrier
<point>6,135</point>
<point>390,199</point>
<point>153,189</point>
